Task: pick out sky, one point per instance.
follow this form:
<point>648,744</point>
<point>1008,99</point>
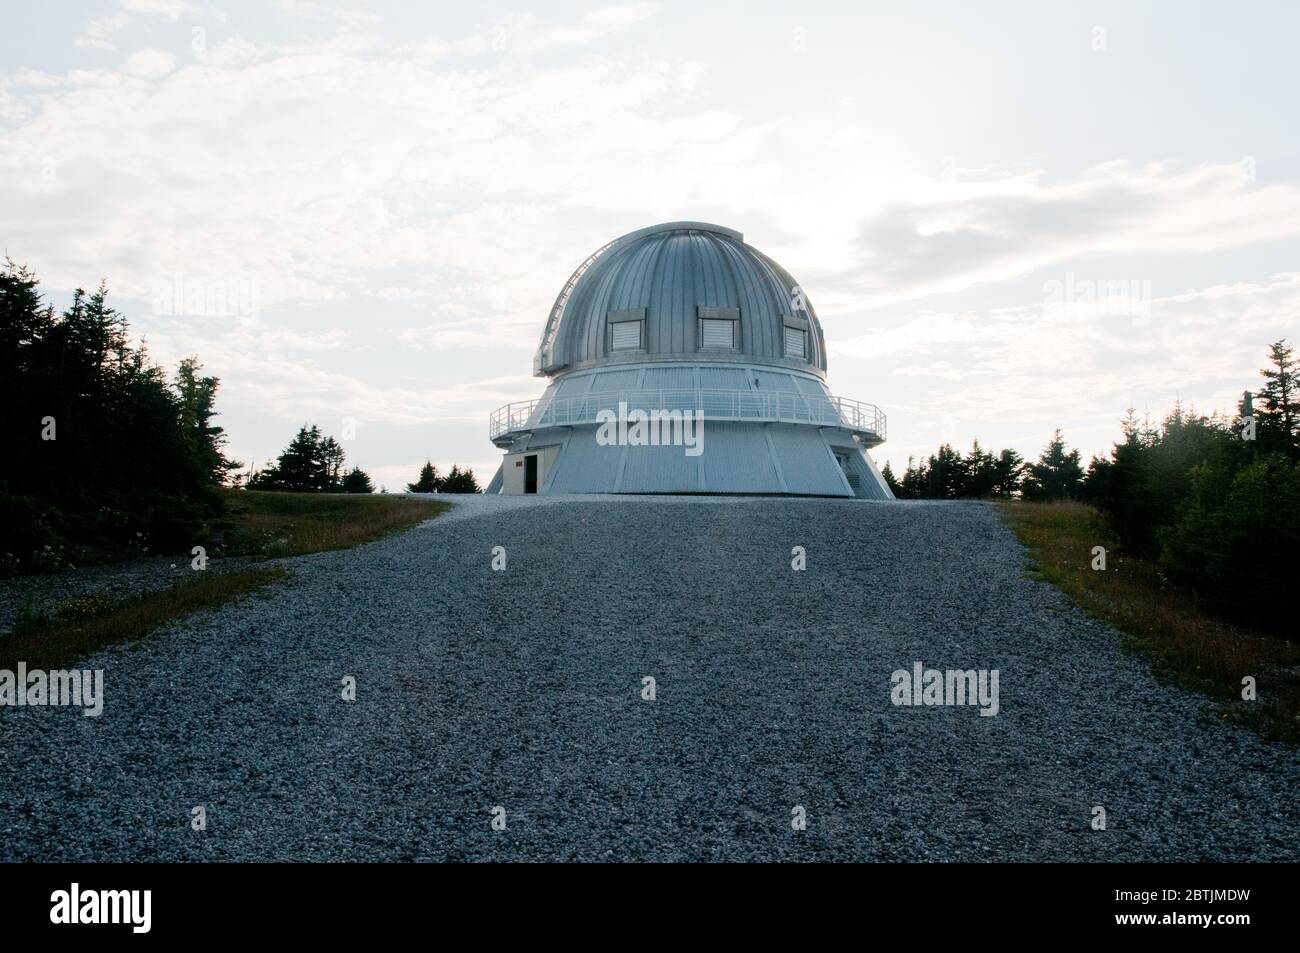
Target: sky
<point>1010,217</point>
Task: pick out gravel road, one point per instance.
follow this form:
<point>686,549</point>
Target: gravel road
<point>523,689</point>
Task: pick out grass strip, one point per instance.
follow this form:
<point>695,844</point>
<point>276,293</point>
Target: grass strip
<point>83,625</point>
<point>1182,641</point>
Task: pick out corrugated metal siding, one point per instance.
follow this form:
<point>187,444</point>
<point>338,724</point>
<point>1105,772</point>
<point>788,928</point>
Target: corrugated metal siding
<point>615,380</point>
<point>818,398</point>
<point>806,463</point>
<point>573,386</point>
<point>669,378</point>
<point>875,488</point>
<point>585,466</point>
<point>660,470</point>
<point>602,393</point>
<point>724,378</point>
<point>773,381</point>
<point>736,459</point>
<point>871,485</point>
<point>675,384</point>
<point>809,387</point>
<point>671,273</point>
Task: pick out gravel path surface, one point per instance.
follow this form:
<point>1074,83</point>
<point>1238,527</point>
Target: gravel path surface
<point>522,689</point>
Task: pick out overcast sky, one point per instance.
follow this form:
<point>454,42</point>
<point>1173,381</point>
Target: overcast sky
<point>395,196</point>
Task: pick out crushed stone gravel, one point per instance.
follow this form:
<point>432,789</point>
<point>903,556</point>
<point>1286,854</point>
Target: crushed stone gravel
<point>523,689</point>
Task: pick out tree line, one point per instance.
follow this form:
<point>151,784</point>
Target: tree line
<point>948,475</point>
<point>108,456</point>
<point>1213,500</point>
<point>1216,500</point>
<point>312,463</point>
<point>456,481</point>
<point>104,453</point>
<point>315,463</point>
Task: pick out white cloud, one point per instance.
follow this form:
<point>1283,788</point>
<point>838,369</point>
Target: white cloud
<point>312,170</point>
<point>98,30</point>
<point>524,36</point>
<point>149,64</point>
<point>845,135</point>
<point>171,10</point>
<point>948,236</point>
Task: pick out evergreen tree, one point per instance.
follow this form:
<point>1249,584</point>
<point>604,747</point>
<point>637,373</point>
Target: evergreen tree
<point>1007,473</point>
<point>915,480</point>
<point>357,481</point>
<point>1234,541</point>
<point>1057,475</point>
<point>979,473</point>
<point>1278,410</point>
<point>310,464</point>
<point>460,481</point>
<point>332,457</point>
<point>198,397</point>
<point>301,466</point>
<point>945,474</point>
<point>99,454</point>
<point>428,481</point>
<point>891,481</point>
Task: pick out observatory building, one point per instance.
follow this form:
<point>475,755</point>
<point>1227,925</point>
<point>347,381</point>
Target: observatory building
<point>682,360</point>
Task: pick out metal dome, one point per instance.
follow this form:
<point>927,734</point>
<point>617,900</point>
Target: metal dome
<point>681,360</point>
<point>669,277</point>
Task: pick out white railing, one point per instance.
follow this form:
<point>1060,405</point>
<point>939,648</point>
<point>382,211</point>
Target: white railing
<point>542,357</point>
<point>715,404</point>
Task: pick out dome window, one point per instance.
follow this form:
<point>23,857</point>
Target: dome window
<point>719,329</point>
<point>796,337</point>
<point>627,330</point>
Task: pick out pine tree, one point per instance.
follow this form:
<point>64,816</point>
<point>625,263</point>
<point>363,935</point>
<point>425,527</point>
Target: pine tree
<point>1007,473</point>
<point>979,476</point>
<point>1278,410</point>
<point>1057,475</point>
<point>198,397</point>
<point>331,456</point>
<point>428,481</point>
<point>891,481</point>
<point>914,481</point>
<point>301,467</point>
<point>357,481</point>
<point>946,474</point>
<point>122,468</point>
<point>310,464</point>
<point>104,330</point>
<point>460,481</point>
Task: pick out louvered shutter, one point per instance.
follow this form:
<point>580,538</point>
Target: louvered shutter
<point>795,341</point>
<point>717,334</point>
<point>625,336</point>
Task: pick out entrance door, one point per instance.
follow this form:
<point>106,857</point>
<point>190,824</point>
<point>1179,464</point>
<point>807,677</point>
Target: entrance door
<point>530,473</point>
<point>854,480</point>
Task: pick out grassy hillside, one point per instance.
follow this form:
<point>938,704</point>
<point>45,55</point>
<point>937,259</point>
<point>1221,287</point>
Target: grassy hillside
<point>1181,640</point>
<point>292,524</point>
